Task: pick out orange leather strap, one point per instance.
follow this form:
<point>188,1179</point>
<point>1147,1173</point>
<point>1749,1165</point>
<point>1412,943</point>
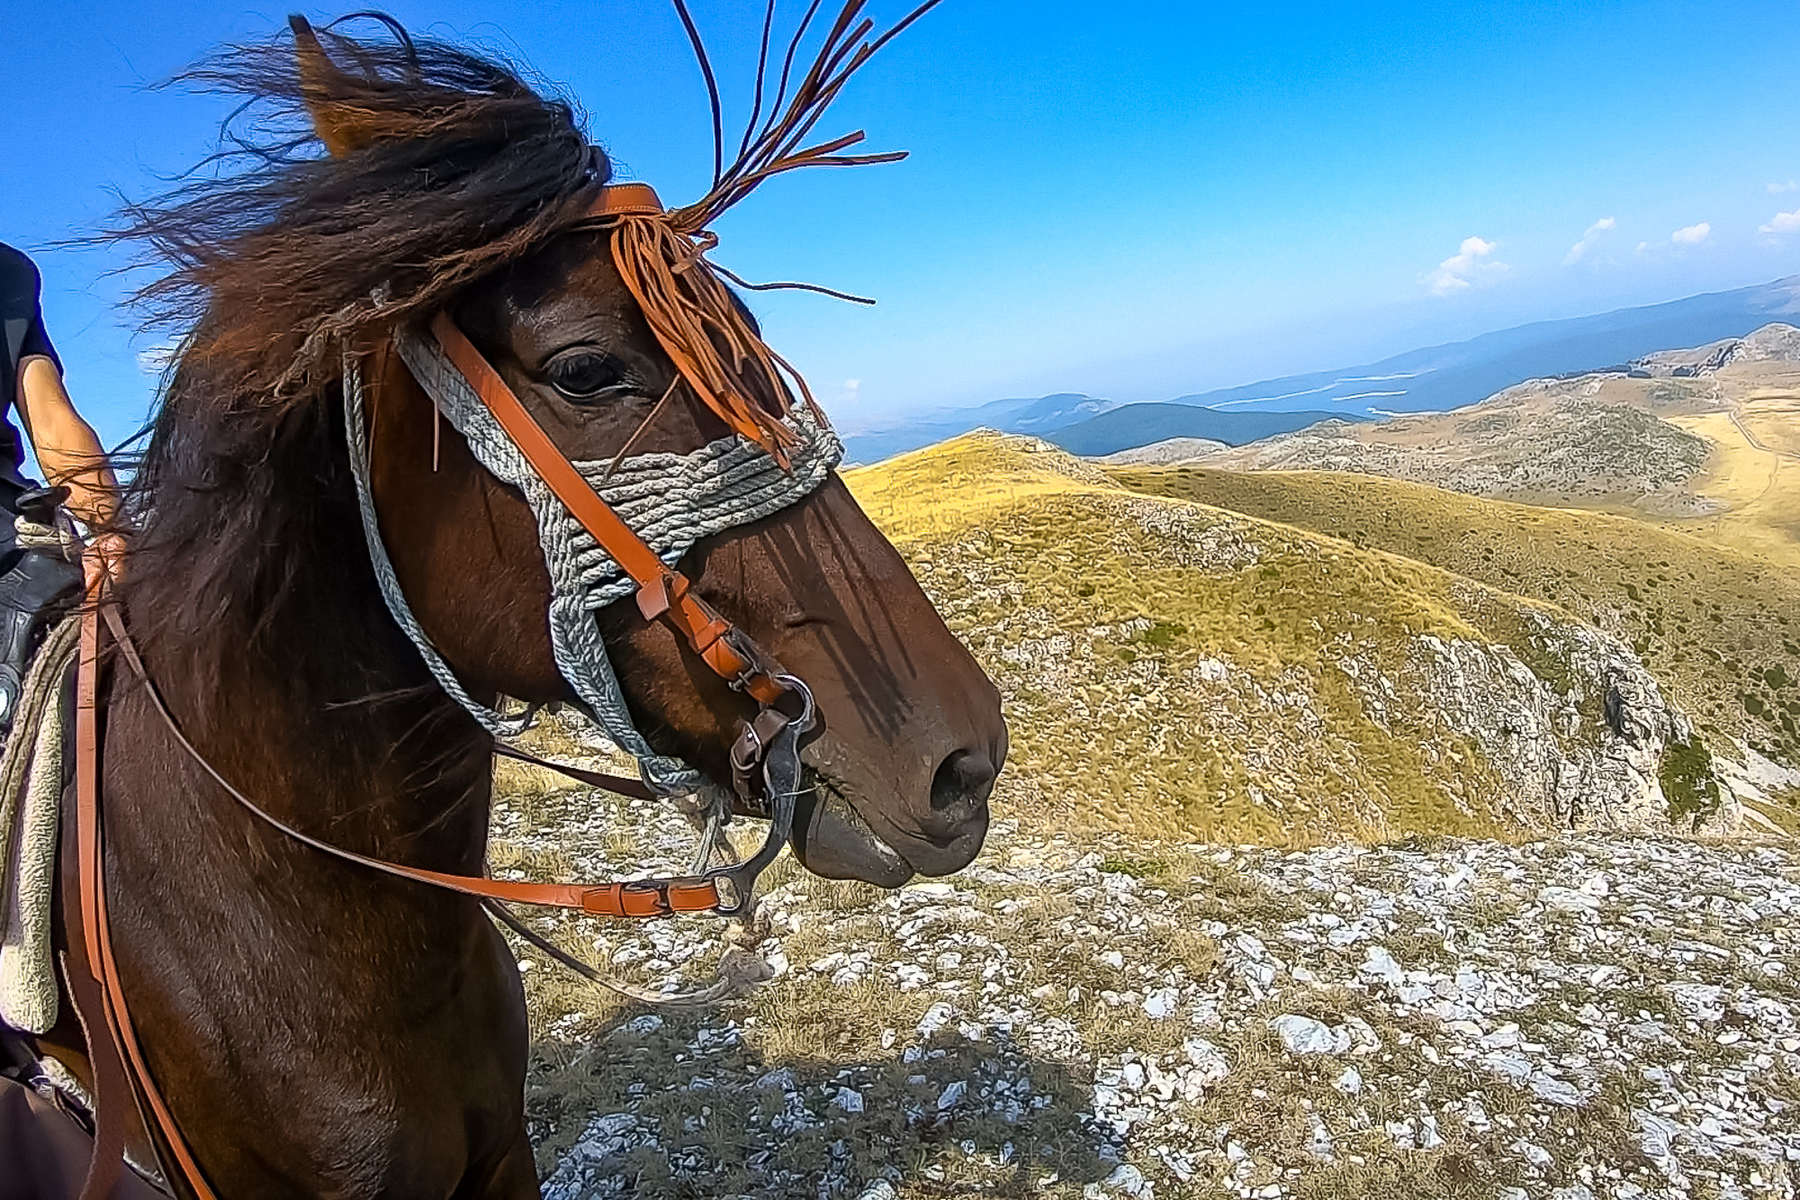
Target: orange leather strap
<point>662,591</point>
<point>96,928</point>
<point>626,200</point>
<point>111,1077</point>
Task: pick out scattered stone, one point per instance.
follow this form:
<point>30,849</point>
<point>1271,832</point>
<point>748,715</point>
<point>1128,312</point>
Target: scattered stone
<point>1303,1035</point>
<point>1569,900</point>
<point>1161,1003</point>
<point>1573,973</point>
<point>935,1018</point>
<point>1127,1180</point>
<point>1556,1091</point>
<point>1380,965</point>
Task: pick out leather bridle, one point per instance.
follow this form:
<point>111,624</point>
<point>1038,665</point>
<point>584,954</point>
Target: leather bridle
<point>764,759</point>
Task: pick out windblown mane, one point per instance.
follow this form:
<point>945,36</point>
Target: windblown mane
<point>289,251</point>
<point>272,256</point>
<point>271,262</point>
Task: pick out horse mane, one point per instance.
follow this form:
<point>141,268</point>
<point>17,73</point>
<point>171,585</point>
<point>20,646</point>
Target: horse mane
<point>286,251</point>
<point>275,254</point>
<point>470,169</point>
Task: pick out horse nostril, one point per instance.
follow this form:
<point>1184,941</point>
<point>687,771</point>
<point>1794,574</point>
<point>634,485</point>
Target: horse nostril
<point>961,785</point>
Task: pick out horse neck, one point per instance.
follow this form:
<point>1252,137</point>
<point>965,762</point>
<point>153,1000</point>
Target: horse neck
<point>300,690</point>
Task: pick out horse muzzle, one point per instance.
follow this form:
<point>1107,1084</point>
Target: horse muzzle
<point>833,837</point>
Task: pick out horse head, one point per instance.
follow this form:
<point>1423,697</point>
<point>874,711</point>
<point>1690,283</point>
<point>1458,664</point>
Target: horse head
<point>910,736</point>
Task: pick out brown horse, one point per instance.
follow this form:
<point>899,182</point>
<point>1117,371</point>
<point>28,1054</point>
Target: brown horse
<point>316,1028</point>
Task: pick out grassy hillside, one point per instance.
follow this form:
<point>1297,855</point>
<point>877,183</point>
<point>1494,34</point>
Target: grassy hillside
<point>1719,627</point>
<point>1752,474</point>
<point>1177,670</point>
<point>1715,456</point>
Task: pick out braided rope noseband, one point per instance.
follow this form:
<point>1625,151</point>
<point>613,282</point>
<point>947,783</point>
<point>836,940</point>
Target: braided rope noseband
<point>670,500</point>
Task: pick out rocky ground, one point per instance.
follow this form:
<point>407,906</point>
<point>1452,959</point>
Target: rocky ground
<point>1571,439</point>
<point>1775,342</point>
<point>1578,1017</point>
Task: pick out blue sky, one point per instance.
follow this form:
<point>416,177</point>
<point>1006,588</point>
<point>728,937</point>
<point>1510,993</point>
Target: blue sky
<point>1134,200</point>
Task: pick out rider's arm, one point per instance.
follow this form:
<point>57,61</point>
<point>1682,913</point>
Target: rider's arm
<point>67,447</point>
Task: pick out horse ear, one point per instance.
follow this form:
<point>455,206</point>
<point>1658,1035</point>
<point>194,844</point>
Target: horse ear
<point>342,126</point>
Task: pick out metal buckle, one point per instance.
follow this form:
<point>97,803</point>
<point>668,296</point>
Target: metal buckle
<point>744,648</point>
<point>658,888</point>
<point>780,760</point>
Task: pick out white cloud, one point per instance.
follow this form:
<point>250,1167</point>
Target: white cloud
<point>1782,222</point>
<point>1472,263</point>
<point>1643,247</point>
<point>1691,235</point>
<point>1777,189</point>
<point>1579,250</point>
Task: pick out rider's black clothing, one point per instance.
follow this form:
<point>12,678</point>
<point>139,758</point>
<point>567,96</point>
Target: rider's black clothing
<point>35,586</point>
<point>22,334</point>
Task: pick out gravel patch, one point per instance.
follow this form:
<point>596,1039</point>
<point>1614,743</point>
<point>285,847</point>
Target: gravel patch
<point>1598,1016</point>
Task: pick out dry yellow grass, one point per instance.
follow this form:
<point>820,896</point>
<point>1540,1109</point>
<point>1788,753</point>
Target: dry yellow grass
<point>1754,472</point>
<point>1179,671</point>
<point>1719,626</point>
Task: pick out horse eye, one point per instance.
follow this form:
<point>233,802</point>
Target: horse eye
<point>586,374</point>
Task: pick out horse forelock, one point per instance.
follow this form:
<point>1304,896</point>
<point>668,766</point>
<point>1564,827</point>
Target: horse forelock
<point>269,256</point>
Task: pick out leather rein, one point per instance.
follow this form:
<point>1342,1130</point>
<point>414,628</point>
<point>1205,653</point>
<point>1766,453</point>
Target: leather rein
<point>764,757</point>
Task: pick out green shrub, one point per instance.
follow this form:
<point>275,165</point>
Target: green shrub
<point>1137,868</point>
<point>1161,635</point>
<point>1688,782</point>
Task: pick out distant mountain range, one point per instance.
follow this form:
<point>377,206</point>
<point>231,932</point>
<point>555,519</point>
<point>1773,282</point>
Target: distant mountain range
<point>1038,416</point>
<point>1433,379</point>
<point>1439,378</point>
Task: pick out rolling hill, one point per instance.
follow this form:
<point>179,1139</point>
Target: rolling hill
<point>1720,629</point>
<point>1715,455</point>
<point>1596,440</point>
<point>1435,378</point>
<point>1169,450</point>
<point>1038,415</point>
<point>1174,669</point>
<point>1449,376</point>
